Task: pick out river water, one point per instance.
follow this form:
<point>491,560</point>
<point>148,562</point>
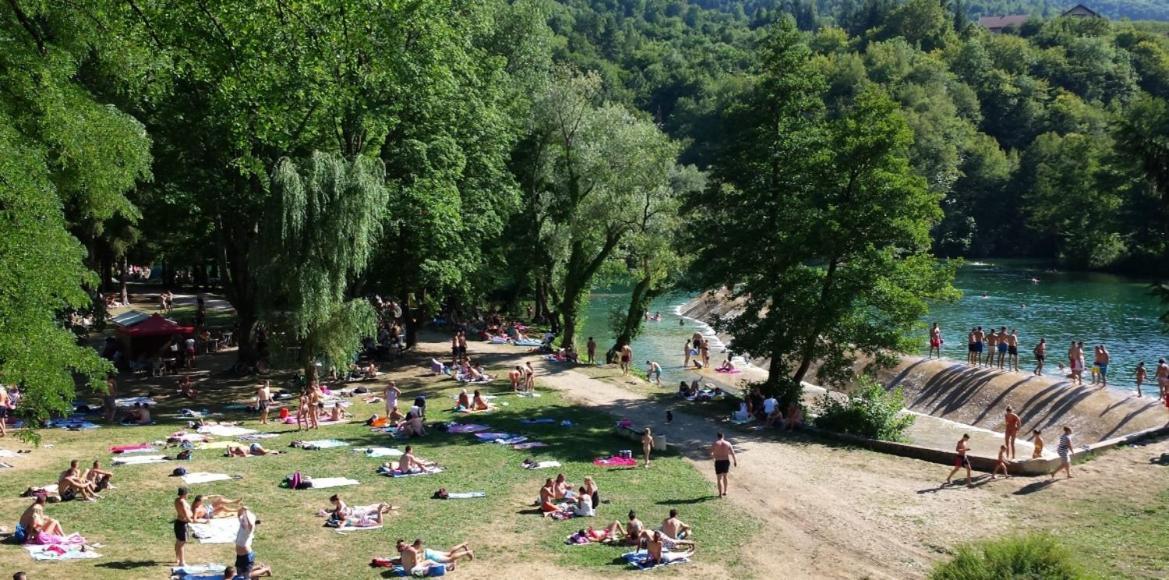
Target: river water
<point>1059,306</point>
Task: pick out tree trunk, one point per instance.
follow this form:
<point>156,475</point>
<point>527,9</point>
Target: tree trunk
<point>568,312</point>
<point>634,317</point>
<point>245,337</point>
<point>808,353</point>
<point>125,267</point>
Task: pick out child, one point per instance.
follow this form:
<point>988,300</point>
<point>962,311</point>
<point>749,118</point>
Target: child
<point>1002,464</point>
<point>1142,374</point>
<point>1037,441</point>
<point>647,444</point>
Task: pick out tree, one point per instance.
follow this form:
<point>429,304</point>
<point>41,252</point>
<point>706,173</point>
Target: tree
<point>824,226</point>
<point>596,162</point>
<point>323,229</point>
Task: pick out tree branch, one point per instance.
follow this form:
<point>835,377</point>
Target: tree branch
<point>29,27</point>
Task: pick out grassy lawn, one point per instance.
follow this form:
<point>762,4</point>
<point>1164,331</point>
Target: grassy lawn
<point>1117,537</point>
<point>133,521</point>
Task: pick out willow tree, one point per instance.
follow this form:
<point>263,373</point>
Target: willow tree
<point>596,162</point>
<point>323,225</point>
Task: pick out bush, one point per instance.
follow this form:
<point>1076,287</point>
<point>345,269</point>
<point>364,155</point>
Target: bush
<point>870,412</point>
<point>1024,557</point>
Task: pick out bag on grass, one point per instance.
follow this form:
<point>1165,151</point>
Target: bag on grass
<point>441,493</point>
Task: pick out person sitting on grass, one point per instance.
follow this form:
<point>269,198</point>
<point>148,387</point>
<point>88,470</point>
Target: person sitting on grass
<point>448,557</point>
<point>464,402</point>
<point>412,561</point>
<point>98,477</point>
<point>631,532</point>
<point>562,489</point>
<point>654,544</point>
<point>590,487</point>
<point>206,507</point>
<point>408,463</point>
<point>139,415</point>
<point>727,366</point>
<point>412,426</point>
<point>187,389</point>
<point>34,521</point>
<point>478,404</point>
<point>548,498</point>
<point>338,414</point>
<point>795,417</point>
<point>72,484</point>
<point>584,504</point>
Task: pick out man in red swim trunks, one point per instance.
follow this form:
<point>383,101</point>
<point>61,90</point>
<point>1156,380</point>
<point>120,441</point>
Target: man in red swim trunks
<point>962,461</point>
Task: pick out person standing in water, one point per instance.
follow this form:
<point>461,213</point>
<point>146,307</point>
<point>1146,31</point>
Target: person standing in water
<point>653,372</point>
<point>935,341</point>
<point>1142,374</point>
<point>686,354</point>
<point>1013,351</point>
<point>1040,355</point>
<point>1102,360</point>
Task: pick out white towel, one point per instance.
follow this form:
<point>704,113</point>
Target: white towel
<point>324,444</point>
<point>7,453</point>
<point>204,477</point>
<point>326,482</point>
<point>545,465</point>
<point>381,452</point>
<point>217,531</point>
<point>133,401</point>
<point>72,552</point>
<point>139,459</point>
<point>225,430</point>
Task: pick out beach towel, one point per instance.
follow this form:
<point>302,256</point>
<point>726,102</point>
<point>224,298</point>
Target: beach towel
<point>71,423</point>
<point>532,394</point>
<point>466,494</point>
<point>528,445</point>
<point>466,428</point>
<point>380,452</point>
<point>225,430</point>
<point>130,448</point>
<point>350,526</point>
<point>615,461</point>
<point>528,342</point>
<point>394,472</point>
<point>324,444</point>
<point>215,444</point>
<point>511,440</point>
<point>56,552</point>
<point>327,482</point>
<point>139,459</point>
<point>467,379</point>
<point>291,420</point>
<point>492,436</point>
<point>204,477</point>
<point>542,465</point>
<point>217,531</point>
<point>433,571</point>
<point>199,570</point>
<point>7,453</point>
<point>133,401</point>
<point>180,436</point>
<point>640,560</point>
<point>258,436</point>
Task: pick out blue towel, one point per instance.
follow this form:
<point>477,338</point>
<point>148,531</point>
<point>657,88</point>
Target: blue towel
<point>438,570</point>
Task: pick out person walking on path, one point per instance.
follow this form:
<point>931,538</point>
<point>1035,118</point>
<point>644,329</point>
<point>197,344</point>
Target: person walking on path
<point>724,455</point>
<point>1065,453</point>
<point>962,460</point>
<point>935,341</point>
<point>591,349</point>
<point>647,444</point>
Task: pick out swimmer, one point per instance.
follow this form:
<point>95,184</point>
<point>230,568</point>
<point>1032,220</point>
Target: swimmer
<point>1141,374</point>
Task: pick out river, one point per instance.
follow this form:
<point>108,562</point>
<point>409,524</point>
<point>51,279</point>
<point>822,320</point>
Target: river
<point>1059,306</point>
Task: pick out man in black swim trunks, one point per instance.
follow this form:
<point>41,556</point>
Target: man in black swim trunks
<point>183,517</point>
<point>724,454</point>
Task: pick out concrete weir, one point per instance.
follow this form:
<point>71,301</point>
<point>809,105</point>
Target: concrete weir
<point>978,397</point>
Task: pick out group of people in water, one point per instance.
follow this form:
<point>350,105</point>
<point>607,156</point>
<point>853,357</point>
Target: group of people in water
<point>999,348</point>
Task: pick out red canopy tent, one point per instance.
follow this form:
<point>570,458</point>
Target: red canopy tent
<point>150,335</point>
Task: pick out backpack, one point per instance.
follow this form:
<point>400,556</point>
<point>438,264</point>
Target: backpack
<point>184,455</point>
<point>441,494</point>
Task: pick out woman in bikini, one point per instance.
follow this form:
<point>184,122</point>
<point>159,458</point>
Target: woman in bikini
<point>478,404</point>
<point>464,402</point>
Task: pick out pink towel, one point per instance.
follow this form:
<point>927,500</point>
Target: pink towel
<point>133,447</point>
<point>615,461</point>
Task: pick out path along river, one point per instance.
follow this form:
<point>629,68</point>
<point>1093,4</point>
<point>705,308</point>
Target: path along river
<point>1059,306</point>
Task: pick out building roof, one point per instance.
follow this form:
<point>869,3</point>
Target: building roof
<point>1080,10</point>
<point>1000,22</point>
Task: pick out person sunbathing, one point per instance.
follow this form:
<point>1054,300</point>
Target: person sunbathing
<point>464,400</point>
<point>795,417</point>
<point>408,463</point>
<point>675,529</point>
<point>631,532</point>
<point>584,504</point>
<point>187,389</point>
<point>562,489</point>
<point>548,498</point>
<point>98,477</point>
<point>654,544</point>
<point>72,484</point>
<point>412,426</point>
<point>205,507</point>
<point>727,366</point>
<point>338,414</point>
<point>478,404</point>
<point>444,557</point>
<point>254,449</point>
<point>412,561</point>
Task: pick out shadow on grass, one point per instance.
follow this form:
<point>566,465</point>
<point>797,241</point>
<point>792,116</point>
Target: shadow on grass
<point>690,501</point>
<point>1034,486</point>
<point>130,564</point>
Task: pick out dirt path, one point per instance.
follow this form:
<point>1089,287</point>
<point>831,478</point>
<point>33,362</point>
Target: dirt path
<point>836,512</point>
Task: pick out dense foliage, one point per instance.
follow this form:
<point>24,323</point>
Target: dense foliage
<point>1031,556</point>
<point>870,411</point>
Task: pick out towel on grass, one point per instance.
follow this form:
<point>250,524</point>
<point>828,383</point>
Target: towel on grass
<point>528,342</point>
<point>539,421</point>
<point>139,459</point>
<point>433,570</point>
<point>542,465</point>
<point>615,461</point>
<point>493,435</point>
<point>217,531</point>
<point>130,448</point>
<point>57,552</point>
<point>394,472</point>
<point>133,401</point>
<point>258,436</point>
<point>225,430</point>
<point>215,444</point>
<point>199,570</point>
<point>380,452</point>
<point>71,423</point>
<point>327,482</point>
<point>324,444</point>
<point>466,428</point>
<point>204,477</point>
<point>528,445</point>
<point>7,453</point>
<point>511,440</point>
<point>466,494</point>
<point>640,560</point>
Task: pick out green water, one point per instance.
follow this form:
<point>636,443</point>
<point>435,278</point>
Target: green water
<point>1059,306</point>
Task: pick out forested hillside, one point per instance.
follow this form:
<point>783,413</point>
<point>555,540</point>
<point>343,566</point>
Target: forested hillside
<point>1024,135</point>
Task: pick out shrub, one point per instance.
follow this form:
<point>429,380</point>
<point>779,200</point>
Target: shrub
<point>1036,556</point>
<point>870,412</point>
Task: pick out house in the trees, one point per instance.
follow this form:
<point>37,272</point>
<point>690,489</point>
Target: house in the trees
<point>1081,11</point>
<point>997,24</point>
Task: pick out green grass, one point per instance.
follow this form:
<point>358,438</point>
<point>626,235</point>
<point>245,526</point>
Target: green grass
<point>1119,537</point>
<point>1024,557</point>
<point>133,521</point>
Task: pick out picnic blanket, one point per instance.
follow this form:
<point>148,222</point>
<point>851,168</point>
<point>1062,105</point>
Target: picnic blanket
<point>215,444</point>
<point>7,453</point>
<point>71,423</point>
<point>380,452</point>
<point>528,445</point>
<point>640,560</point>
<point>217,531</point>
<point>57,552</point>
<point>615,461</point>
<point>139,459</point>
<point>493,435</point>
<point>225,430</point>
<point>199,572</point>
<point>327,482</point>
<point>394,472</point>
<point>541,465</point>
<point>466,428</point>
<point>204,477</point>
<point>324,444</point>
<point>133,401</point>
